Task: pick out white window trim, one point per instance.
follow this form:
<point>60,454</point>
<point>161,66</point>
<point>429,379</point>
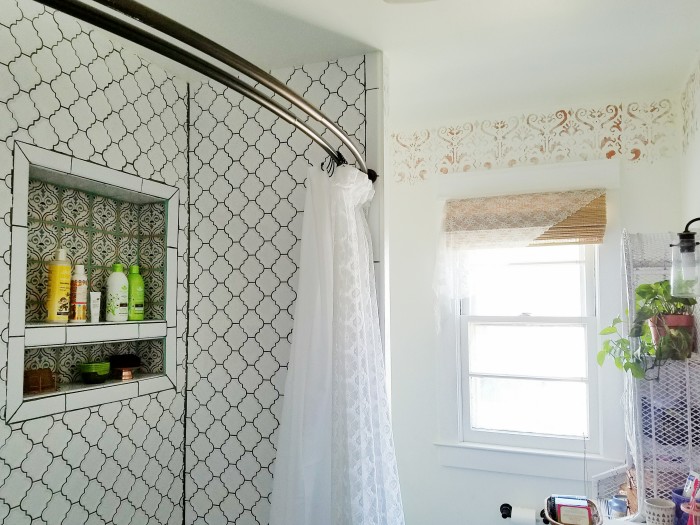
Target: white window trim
<point>451,450</point>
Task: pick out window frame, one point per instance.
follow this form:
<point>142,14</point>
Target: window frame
<point>451,452</point>
<point>590,321</point>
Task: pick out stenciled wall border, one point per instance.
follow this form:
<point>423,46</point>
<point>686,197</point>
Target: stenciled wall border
<point>635,131</point>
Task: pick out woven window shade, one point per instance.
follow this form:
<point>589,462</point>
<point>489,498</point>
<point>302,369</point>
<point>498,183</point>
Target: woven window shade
<point>584,226</point>
<point>569,217</point>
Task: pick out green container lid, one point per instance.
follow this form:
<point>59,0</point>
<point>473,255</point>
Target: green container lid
<point>117,267</point>
<point>134,268</point>
<point>100,367</point>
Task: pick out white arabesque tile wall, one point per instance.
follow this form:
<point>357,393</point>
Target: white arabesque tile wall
<point>247,195</point>
<point>70,89</point>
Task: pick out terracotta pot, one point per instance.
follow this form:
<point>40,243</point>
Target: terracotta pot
<point>659,324</point>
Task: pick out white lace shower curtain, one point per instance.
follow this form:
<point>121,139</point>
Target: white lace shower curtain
<point>335,461</point>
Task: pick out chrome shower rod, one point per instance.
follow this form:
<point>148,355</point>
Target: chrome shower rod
<point>167,26</point>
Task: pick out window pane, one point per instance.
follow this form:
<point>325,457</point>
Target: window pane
<point>528,350</point>
<point>554,408</point>
<point>539,281</point>
<point>567,253</point>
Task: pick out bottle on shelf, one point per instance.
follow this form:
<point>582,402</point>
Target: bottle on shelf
<point>117,295</point>
<point>58,296</point>
<point>95,300</point>
<point>136,294</point>
<point>78,295</point>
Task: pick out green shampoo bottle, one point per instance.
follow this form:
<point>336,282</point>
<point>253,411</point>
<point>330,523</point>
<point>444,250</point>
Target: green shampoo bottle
<point>136,294</point>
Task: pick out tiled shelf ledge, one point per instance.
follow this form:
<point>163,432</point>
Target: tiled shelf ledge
<point>56,168</point>
<point>73,396</point>
<point>48,334</point>
<point>59,169</point>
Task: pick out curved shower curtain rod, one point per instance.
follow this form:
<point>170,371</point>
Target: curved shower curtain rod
<point>169,27</point>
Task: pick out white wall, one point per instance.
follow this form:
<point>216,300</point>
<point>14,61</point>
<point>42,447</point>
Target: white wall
<point>691,142</point>
<point>691,183</point>
<point>647,199</point>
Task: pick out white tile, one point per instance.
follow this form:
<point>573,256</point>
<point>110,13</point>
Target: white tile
<point>15,373</point>
<point>101,395</point>
<point>374,70</point>
<point>157,189</point>
<point>45,335</point>
<point>152,330</point>
<point>90,333</point>
<point>20,188</point>
<point>40,408</point>
<point>375,160</point>
<point>172,215</point>
<point>374,221</point>
<point>58,178</point>
<point>46,158</point>
<point>171,288</point>
<point>171,355</point>
<point>93,181</point>
<point>379,281</point>
<point>380,252</point>
<point>375,131</point>
<point>154,384</point>
<point>18,280</point>
<point>106,175</point>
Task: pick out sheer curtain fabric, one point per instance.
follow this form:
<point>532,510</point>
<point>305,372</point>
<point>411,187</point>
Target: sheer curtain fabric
<point>508,221</point>
<point>335,461</point>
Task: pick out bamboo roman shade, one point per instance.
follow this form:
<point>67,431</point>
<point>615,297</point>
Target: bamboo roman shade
<point>567,217</point>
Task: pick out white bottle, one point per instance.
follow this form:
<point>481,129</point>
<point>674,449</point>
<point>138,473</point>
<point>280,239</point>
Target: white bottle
<point>117,305</point>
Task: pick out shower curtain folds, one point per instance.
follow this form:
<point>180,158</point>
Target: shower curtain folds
<point>335,462</point>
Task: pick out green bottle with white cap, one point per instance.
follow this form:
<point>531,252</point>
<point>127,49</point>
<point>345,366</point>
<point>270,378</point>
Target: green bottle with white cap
<point>136,294</point>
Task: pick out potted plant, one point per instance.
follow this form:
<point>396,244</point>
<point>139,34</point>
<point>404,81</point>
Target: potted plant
<point>669,318</point>
<point>663,328</point>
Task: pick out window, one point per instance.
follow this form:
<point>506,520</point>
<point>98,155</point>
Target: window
<point>522,270</point>
<point>519,249</point>
<point>526,330</point>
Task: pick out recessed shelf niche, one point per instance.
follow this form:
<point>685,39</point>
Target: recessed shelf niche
<point>100,216</point>
<point>96,231</point>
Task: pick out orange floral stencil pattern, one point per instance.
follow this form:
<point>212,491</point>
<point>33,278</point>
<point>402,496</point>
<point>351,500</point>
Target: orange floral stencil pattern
<point>689,102</point>
<point>636,131</point>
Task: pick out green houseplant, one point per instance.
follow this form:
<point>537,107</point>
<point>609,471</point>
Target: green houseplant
<point>663,328</point>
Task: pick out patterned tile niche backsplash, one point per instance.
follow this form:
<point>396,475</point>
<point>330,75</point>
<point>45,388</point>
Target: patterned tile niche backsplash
<point>64,360</point>
<point>95,231</point>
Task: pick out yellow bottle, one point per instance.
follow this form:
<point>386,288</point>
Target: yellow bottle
<point>58,297</point>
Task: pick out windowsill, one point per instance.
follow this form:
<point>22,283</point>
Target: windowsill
<point>523,461</point>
